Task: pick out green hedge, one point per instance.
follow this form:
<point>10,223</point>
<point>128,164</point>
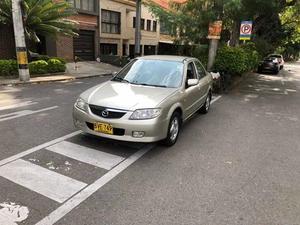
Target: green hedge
<point>38,67</point>
<point>55,66</point>
<point>8,67</point>
<point>51,65</point>
<point>236,60</point>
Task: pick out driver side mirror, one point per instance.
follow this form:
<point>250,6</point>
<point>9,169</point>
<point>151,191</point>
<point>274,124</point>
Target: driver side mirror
<point>114,74</point>
<point>192,82</point>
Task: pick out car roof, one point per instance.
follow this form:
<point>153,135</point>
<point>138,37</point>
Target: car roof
<point>275,55</point>
<point>175,58</point>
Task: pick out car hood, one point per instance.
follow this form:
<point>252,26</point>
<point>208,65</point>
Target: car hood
<point>127,96</point>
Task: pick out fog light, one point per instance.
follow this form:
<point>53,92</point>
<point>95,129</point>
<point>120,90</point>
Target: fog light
<point>138,134</point>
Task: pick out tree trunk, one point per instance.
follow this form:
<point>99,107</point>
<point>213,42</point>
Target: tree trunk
<point>235,33</point>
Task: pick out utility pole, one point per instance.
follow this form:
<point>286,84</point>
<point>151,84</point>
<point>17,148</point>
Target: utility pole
<point>21,50</point>
<point>137,47</point>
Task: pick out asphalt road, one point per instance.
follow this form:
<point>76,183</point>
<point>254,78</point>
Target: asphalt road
<point>239,164</point>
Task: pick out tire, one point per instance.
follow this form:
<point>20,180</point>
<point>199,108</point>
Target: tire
<point>276,71</point>
<point>206,106</point>
<point>259,70</point>
<point>173,130</point>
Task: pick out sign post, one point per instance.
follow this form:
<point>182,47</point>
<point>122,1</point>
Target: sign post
<point>246,30</point>
<point>214,35</point>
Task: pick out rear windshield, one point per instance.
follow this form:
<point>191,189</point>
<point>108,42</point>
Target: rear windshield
<point>275,56</point>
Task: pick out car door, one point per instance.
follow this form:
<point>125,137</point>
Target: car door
<point>191,94</point>
<point>204,81</point>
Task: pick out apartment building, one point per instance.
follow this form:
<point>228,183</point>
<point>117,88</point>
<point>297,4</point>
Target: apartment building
<point>105,27</point>
<point>117,27</point>
<point>85,46</point>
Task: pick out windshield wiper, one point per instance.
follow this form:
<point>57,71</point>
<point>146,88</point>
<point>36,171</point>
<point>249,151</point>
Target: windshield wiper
<point>153,85</point>
<point>120,79</point>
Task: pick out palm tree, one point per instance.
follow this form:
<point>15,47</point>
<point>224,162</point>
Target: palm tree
<point>42,17</point>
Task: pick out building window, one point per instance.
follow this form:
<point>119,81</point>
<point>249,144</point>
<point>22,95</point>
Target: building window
<point>142,24</point>
<point>154,26</point>
<point>108,49</point>
<point>110,22</point>
<point>86,5</point>
<point>148,25</point>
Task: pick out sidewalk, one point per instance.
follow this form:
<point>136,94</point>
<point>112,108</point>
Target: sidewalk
<point>82,70</point>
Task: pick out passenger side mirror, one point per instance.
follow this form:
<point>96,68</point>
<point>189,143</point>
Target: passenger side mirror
<point>114,73</point>
<point>192,82</point>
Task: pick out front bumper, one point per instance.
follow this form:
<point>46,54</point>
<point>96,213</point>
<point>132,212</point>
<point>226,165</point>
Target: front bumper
<point>154,129</point>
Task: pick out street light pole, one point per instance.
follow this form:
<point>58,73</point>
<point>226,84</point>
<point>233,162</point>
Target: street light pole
<point>137,48</point>
<point>21,50</point>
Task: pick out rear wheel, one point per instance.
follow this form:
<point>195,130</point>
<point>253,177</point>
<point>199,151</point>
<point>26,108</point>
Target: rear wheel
<point>205,108</point>
<point>173,129</point>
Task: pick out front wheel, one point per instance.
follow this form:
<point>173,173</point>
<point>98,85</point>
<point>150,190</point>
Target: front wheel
<point>173,129</point>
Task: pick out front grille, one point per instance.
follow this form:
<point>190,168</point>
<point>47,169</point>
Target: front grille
<point>110,113</point>
<point>116,131</point>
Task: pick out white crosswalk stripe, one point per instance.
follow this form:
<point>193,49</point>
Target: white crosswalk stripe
<point>88,155</point>
<point>43,181</point>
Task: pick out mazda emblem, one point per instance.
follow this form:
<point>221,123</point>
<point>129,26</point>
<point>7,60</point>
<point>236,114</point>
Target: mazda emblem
<point>105,113</point>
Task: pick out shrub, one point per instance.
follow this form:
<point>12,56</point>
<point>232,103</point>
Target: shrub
<point>38,67</point>
<point>8,67</point>
<point>55,66</point>
<point>232,60</point>
<point>252,55</point>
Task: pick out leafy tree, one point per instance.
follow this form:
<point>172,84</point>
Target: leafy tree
<point>42,17</point>
<point>290,19</point>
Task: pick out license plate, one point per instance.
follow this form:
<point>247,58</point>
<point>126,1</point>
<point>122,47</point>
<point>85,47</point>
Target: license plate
<point>103,128</point>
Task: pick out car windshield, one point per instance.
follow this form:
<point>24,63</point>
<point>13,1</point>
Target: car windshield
<point>159,73</point>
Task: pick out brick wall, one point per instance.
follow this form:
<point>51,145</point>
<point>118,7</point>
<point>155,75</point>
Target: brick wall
<point>64,45</point>
<point>64,48</point>
<point>7,42</point>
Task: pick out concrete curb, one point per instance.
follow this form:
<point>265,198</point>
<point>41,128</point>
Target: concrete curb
<point>48,79</point>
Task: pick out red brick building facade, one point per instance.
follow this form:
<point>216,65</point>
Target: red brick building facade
<point>85,46</point>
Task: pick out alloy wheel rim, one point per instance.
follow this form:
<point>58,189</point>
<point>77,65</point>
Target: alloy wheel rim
<point>207,104</point>
<point>174,129</point>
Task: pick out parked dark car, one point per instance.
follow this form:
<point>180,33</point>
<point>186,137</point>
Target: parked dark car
<point>270,64</point>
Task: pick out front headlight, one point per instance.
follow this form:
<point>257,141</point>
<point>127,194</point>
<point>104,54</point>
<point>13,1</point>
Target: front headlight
<point>144,114</point>
<point>81,104</point>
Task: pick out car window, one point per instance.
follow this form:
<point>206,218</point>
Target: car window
<point>150,72</point>
<point>191,72</point>
<point>200,69</point>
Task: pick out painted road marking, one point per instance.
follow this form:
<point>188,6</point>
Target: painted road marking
<point>43,181</point>
<point>36,148</point>
<point>11,213</point>
<point>88,155</point>
<point>215,98</point>
<point>18,114</point>
<point>17,105</point>
<point>61,211</point>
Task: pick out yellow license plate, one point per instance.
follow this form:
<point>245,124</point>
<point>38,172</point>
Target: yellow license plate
<point>103,128</point>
